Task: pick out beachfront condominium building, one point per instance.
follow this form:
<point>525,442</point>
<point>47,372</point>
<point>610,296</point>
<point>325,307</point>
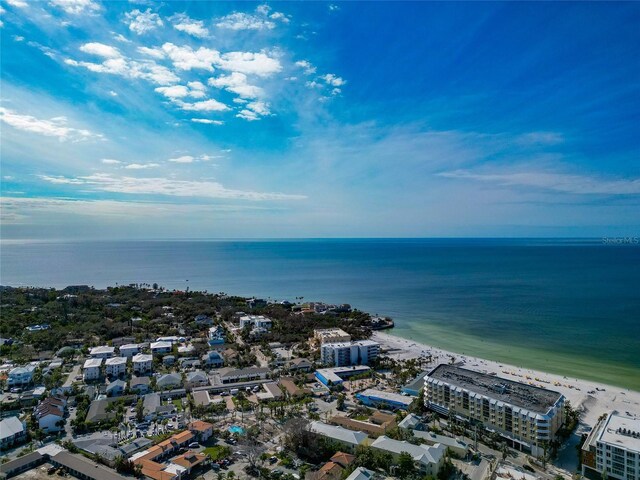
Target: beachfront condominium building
<point>330,335</point>
<point>20,376</point>
<point>115,366</point>
<point>142,363</point>
<point>613,446</point>
<point>256,322</point>
<point>129,350</point>
<point>91,369</point>
<point>361,352</point>
<point>526,416</point>
<point>104,351</point>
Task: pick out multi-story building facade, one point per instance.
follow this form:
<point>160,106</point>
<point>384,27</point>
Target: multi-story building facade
<point>330,335</point>
<point>613,446</point>
<point>129,350</point>
<point>104,351</point>
<point>258,323</point>
<point>360,352</point>
<point>20,376</point>
<point>116,366</point>
<point>161,347</point>
<point>91,369</point>
<point>142,363</point>
<point>527,416</point>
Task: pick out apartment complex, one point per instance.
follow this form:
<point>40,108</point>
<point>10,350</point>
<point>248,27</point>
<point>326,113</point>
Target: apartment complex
<point>330,335</point>
<point>525,415</point>
<point>613,446</point>
<point>341,354</point>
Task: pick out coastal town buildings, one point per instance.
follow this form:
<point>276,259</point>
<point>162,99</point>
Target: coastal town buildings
<point>385,400</point>
<point>20,376</point>
<point>50,414</point>
<point>346,439</point>
<point>129,350</point>
<point>12,432</point>
<point>115,366</point>
<point>216,335</point>
<point>337,375</point>
<point>359,352</point>
<point>160,347</point>
<point>612,448</point>
<point>257,323</point>
<point>527,416</point>
<point>330,335</point>
<point>427,459</point>
<point>102,352</point>
<point>142,363</point>
<point>91,369</point>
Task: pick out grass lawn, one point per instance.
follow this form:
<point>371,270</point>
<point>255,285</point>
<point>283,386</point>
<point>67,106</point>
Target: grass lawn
<point>217,452</point>
<point>178,403</point>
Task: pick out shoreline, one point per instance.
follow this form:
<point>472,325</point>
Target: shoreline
<point>593,398</point>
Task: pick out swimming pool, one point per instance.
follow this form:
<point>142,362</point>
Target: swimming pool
<point>236,429</point>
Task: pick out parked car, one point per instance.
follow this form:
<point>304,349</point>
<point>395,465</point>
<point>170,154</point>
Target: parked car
<point>194,445</point>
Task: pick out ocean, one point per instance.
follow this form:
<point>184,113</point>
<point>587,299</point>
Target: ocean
<point>570,307</point>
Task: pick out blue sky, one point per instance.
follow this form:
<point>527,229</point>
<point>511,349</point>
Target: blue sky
<point>225,120</point>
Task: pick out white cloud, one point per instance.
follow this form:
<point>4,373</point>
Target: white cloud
<point>180,91</point>
<point>559,182</point>
<point>210,105</point>
<point>279,16</point>
<point>236,82</point>
<point>18,38</point>
<point>182,159</point>
<point>254,110</point>
<point>186,58</point>
<point>76,7</point>
<point>141,166</point>
<point>244,21</point>
<point>250,63</point>
<point>207,121</point>
<point>143,22</point>
<point>333,7</point>
<point>333,80</point>
<point>152,52</point>
<point>183,23</point>
<point>110,161</point>
<point>55,127</point>
<point>308,68</point>
<point>121,38</point>
<point>17,3</point>
<point>59,180</point>
<point>101,50</point>
<point>113,93</point>
<point>124,67</point>
<point>167,186</point>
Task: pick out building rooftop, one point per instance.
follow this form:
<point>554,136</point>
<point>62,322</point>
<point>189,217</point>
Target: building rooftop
<point>86,467</point>
<point>102,350</point>
<point>420,453</point>
<point>621,431</point>
<point>93,362</point>
<point>338,433</point>
<point>335,374</point>
<point>534,399</point>
<point>10,426</point>
<point>115,361</point>
<point>142,357</point>
<point>386,396</point>
<point>360,343</point>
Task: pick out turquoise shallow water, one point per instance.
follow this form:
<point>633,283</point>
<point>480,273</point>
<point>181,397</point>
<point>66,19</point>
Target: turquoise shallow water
<point>567,306</point>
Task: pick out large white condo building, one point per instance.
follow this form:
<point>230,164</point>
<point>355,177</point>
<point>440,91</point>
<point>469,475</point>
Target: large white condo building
<point>342,354</point>
<point>613,446</point>
<point>527,416</point>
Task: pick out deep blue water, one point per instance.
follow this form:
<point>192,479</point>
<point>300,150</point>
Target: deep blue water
<point>572,299</point>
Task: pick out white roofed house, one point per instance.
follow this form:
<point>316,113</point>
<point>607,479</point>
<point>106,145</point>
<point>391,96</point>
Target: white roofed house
<point>116,388</point>
<point>258,323</point>
<point>20,376</point>
<point>427,459</point>
<point>347,439</point>
<point>102,352</point>
<point>12,432</point>
<point>169,380</point>
<point>115,366</point>
<point>160,347</point>
<point>91,370</point>
<point>196,379</point>
<point>129,350</point>
<point>142,363</point>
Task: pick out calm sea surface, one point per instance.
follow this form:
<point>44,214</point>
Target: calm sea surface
<point>567,306</point>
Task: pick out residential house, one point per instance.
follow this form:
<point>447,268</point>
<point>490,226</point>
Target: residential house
<point>213,359</point>
<point>91,369</point>
<point>347,439</point>
<point>169,380</point>
<point>300,365</point>
<point>129,350</point>
<point>216,335</point>
<point>202,430</point>
<point>234,375</point>
<point>50,414</point>
<point>168,360</point>
<point>20,376</point>
<point>427,459</point>
<point>161,347</point>
<point>142,363</point>
<point>140,385</point>
<point>196,379</point>
<point>12,432</point>
<point>116,388</point>
<point>102,352</point>
<point>115,366</point>
<point>203,319</point>
<point>150,404</point>
<point>362,473</point>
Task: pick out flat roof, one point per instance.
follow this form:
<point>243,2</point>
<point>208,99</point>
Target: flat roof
<point>351,343</point>
<point>87,468</point>
<point>386,396</point>
<point>619,431</point>
<point>535,399</point>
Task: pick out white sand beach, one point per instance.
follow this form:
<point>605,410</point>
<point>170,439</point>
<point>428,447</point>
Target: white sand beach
<point>593,398</point>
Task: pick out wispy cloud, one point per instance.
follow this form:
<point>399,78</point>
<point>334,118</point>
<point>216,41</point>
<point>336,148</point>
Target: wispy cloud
<point>54,127</point>
<point>76,7</point>
<point>141,166</point>
<point>143,22</point>
<point>207,121</point>
<point>166,186</point>
<point>558,182</point>
<point>183,23</point>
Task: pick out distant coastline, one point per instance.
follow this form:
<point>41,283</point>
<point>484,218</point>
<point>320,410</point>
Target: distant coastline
<point>568,306</point>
